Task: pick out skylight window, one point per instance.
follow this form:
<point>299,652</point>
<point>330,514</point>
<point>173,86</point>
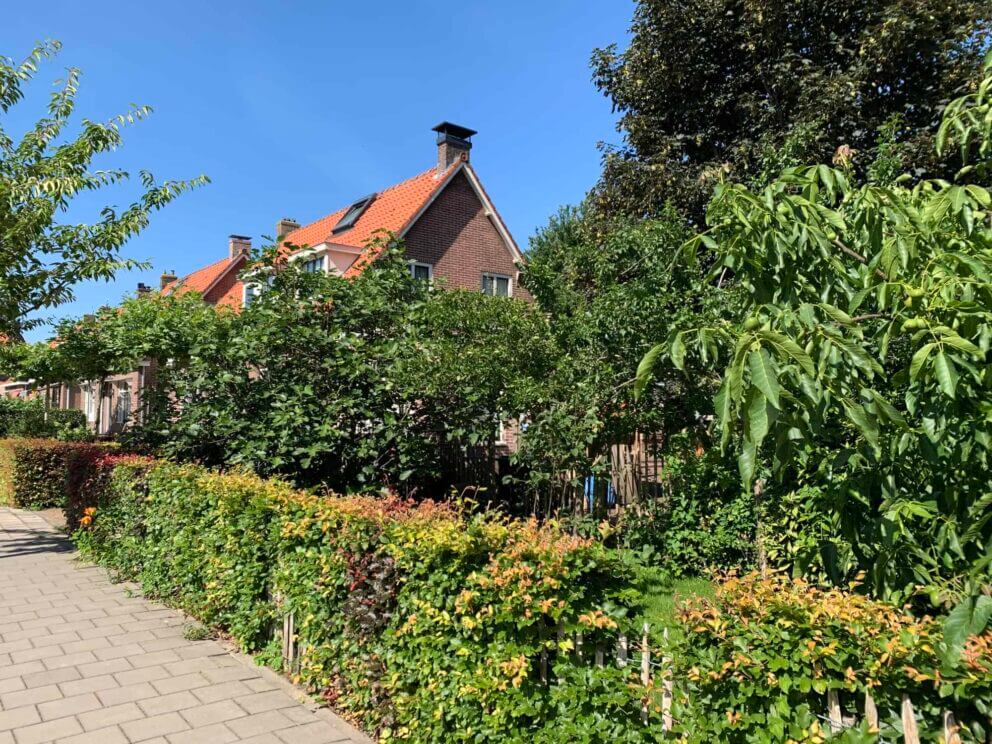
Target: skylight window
<point>355,211</point>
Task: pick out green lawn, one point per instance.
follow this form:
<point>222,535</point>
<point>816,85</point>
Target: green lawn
<point>662,595</point>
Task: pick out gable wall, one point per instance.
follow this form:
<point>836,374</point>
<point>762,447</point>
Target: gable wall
<point>460,241</point>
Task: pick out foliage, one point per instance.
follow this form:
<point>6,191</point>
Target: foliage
<point>699,519</point>
<point>43,259</point>
<point>32,419</point>
<point>862,362</point>
<point>712,88</point>
<point>607,292</point>
<point>421,621</point>
<point>43,473</point>
<point>759,658</point>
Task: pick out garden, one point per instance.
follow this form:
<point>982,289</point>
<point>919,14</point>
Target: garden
<point>791,331</point>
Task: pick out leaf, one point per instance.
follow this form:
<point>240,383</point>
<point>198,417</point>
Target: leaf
<point>866,424</point>
<point>756,416</point>
<point>678,352</point>
<point>947,376</point>
<point>765,376</point>
<point>790,348</point>
<point>645,370</point>
<point>967,619</point>
<point>919,359</point>
<point>746,461</point>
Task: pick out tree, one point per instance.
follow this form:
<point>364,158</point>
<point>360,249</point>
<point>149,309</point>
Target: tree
<point>41,258</point>
<point>723,87</point>
<point>862,357</point>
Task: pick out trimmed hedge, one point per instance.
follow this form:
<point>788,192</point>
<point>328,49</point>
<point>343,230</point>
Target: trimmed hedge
<point>418,621</point>
<point>41,473</point>
<point>31,419</point>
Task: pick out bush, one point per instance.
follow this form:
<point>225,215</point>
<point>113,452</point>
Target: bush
<point>702,520</point>
<point>420,621</point>
<point>41,473</point>
<point>759,658</point>
<point>31,419</point>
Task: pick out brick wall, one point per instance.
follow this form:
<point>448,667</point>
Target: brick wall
<point>460,241</point>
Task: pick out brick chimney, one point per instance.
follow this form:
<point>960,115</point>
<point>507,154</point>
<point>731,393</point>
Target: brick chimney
<point>143,289</point>
<point>285,226</point>
<point>238,244</point>
<point>453,143</point>
<point>167,278</point>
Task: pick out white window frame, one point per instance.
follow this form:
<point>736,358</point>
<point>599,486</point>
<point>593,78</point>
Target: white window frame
<point>430,269</point>
<point>500,431</point>
<point>89,401</point>
<point>493,277</point>
<point>122,406</point>
<point>249,287</point>
<point>319,262</point>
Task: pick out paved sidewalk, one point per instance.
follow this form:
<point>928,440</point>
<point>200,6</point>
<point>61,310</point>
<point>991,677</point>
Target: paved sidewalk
<point>83,662</point>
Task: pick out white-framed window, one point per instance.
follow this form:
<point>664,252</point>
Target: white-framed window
<point>497,285</point>
<point>252,291</point>
<point>422,271</point>
<point>89,401</point>
<point>500,432</point>
<point>314,265</point>
<point>122,407</point>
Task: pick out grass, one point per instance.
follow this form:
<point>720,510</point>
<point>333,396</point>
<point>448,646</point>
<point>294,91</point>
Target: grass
<point>661,597</point>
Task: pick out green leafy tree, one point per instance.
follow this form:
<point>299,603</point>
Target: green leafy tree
<point>862,359</point>
<point>41,258</point>
<point>710,88</point>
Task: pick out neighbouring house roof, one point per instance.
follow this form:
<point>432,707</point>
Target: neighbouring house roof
<point>394,209</point>
<point>206,279</point>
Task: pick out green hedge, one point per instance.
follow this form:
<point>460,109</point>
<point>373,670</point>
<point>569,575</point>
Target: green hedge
<point>420,622</point>
<point>31,419</point>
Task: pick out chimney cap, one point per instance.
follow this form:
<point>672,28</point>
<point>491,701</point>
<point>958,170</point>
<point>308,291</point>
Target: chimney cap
<point>446,127</point>
<point>242,238</point>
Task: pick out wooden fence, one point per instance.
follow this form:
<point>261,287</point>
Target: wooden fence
<point>657,672</point>
<point>623,473</point>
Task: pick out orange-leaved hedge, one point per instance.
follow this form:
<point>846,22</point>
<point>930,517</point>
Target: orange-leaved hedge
<point>41,473</point>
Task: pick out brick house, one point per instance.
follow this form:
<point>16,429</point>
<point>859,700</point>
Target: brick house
<point>451,230</point>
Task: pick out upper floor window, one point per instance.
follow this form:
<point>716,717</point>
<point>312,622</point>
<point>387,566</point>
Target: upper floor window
<point>353,212</point>
<point>252,291</point>
<point>497,285</point>
<point>314,265</point>
<point>422,271</point>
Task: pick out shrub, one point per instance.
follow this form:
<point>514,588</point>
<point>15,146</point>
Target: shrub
<point>40,473</point>
<point>759,658</point>
<point>31,419</point>
<point>420,621</point>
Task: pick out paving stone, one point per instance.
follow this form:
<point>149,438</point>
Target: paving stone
<point>112,715</point>
<point>31,696</point>
<point>126,694</point>
<point>259,702</point>
<point>260,723</point>
<point>69,706</point>
<point>89,684</point>
<point>153,706</point>
<point>147,728</point>
<point>218,733</point>
<point>16,718</point>
<point>48,731</point>
<point>109,735</point>
<point>222,691</point>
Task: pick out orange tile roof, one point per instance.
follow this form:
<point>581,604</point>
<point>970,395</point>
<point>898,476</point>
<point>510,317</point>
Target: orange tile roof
<point>199,280</point>
<point>391,210</point>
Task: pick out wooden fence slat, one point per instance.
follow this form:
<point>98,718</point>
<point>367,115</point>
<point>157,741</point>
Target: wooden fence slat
<point>910,732</point>
<point>578,646</point>
<point>600,655</point>
<point>951,735</point>
<point>622,650</point>
<point>667,687</point>
<point>645,672</point>
<point>833,711</point>
<point>871,712</point>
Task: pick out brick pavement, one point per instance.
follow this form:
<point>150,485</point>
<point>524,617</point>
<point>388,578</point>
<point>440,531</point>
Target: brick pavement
<point>85,661</point>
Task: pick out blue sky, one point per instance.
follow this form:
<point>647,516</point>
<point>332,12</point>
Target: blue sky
<point>297,108</point>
